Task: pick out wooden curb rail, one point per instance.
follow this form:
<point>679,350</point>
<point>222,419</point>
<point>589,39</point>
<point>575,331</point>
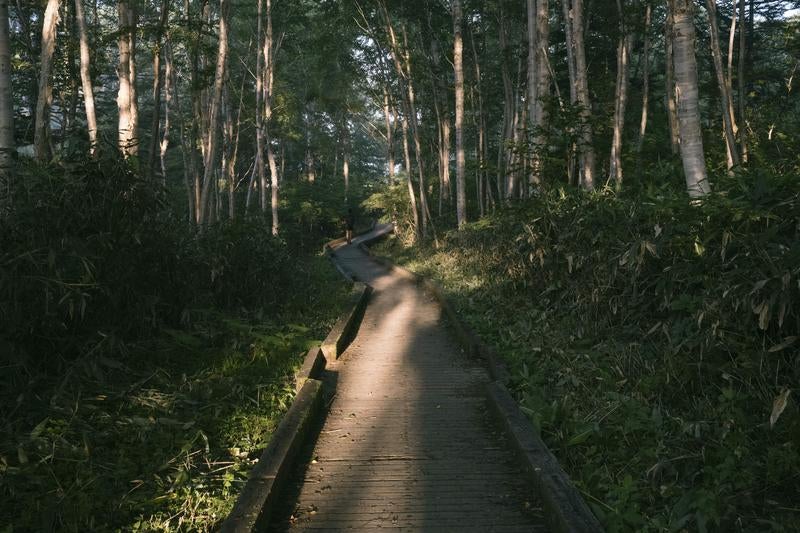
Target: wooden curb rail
<point>267,479</point>
<point>565,510</point>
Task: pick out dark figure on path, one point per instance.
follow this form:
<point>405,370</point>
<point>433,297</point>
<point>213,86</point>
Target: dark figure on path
<point>349,222</point>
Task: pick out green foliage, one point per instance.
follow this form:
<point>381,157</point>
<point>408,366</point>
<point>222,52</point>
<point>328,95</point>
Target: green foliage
<point>145,364</point>
<point>89,254</point>
<point>651,341</point>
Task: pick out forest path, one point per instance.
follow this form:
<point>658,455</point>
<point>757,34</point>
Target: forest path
<point>408,443</point>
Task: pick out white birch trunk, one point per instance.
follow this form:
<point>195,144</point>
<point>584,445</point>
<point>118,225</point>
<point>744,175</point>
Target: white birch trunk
<point>691,139</point>
<point>216,101</point>
<point>41,135</point>
<point>86,79</point>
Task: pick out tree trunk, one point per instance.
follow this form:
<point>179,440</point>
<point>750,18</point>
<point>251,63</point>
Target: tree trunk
<point>458,65</point>
<point>582,91</point>
<point>216,100</point>
<point>620,100</point>
<point>269,77</point>
<point>724,90</point>
<point>133,17</point>
<point>41,140</point>
<point>566,6</point>
<point>507,135</point>
<point>158,85</point>
<point>126,128</point>
<point>691,139</point>
<point>645,78</point>
<point>86,79</point>
<point>259,169</point>
<point>742,63</point>
<point>6,111</point>
<point>387,115</point>
<point>669,80</point>
<point>169,79</point>
<point>542,81</point>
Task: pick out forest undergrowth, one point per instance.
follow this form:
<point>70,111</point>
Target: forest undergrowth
<point>653,343</point>
<point>144,366</point>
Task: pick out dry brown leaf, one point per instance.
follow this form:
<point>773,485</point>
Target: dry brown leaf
<point>778,406</point>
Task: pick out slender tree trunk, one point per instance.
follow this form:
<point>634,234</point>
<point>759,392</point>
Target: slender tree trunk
<point>582,90</point>
<point>741,80</point>
<point>669,79</point>
<point>533,85</point>
<point>409,183</point>
<point>458,65</point>
<point>86,79</point>
<point>6,112</point>
<point>542,75</point>
<point>566,6</point>
<point>507,135</point>
<point>724,90</point>
<point>213,134</point>
<point>127,131</point>
<point>691,139</point>
<point>259,117</point>
<point>620,101</point>
<point>480,150</point>
<point>169,79</point>
<point>645,78</point>
<point>41,140</point>
<point>158,85</point>
<point>387,115</point>
<point>133,17</point>
<point>269,77</point>
<point>346,159</point>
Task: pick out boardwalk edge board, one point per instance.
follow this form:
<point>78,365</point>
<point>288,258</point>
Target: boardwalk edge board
<point>260,494</point>
<point>346,327</point>
<point>564,507</point>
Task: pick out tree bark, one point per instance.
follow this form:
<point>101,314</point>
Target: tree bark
<point>126,125</point>
<point>387,115</point>
<point>269,79</point>
<point>216,100</point>
<point>41,140</point>
<point>566,6</point>
<point>6,112</point>
<point>582,91</point>
<point>741,80</point>
<point>538,116</point>
<point>669,80</point>
<point>86,79</point>
<point>458,65</point>
<point>158,85</point>
<point>620,100</point>
<point>507,135</point>
<point>259,169</point>
<point>645,78</point>
<point>691,139</point>
<point>724,90</point>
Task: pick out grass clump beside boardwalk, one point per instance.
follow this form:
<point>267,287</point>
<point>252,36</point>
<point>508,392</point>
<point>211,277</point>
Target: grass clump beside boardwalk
<point>144,367</point>
<point>654,344</point>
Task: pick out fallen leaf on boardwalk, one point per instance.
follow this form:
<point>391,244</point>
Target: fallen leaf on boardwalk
<point>778,406</point>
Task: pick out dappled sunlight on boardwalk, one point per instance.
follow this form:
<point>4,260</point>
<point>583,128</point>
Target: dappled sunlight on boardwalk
<point>408,443</point>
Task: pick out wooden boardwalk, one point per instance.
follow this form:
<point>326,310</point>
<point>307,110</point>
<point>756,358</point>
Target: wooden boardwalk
<point>408,443</point>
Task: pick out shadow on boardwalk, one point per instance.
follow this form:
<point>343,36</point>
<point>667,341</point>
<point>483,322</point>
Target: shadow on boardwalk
<point>408,443</point>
